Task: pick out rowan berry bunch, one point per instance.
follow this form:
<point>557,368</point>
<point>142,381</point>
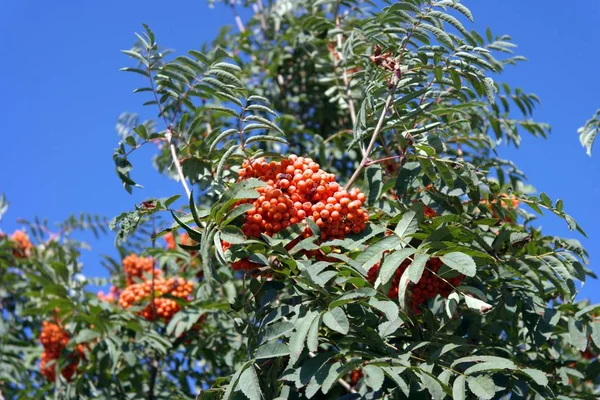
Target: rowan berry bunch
<point>138,267</point>
<point>184,239</point>
<point>508,201</point>
<point>297,188</point>
<point>54,339</point>
<point>23,245</point>
<point>110,297</point>
<point>161,307</point>
<point>355,376</point>
<point>428,287</point>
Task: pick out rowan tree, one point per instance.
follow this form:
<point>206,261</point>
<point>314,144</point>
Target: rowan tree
<point>345,227</point>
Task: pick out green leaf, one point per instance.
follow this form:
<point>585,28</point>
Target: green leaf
<point>588,133</point>
<point>416,267</point>
<point>490,90</point>
<point>373,177</point>
<point>337,320</point>
<point>388,307</point>
<point>482,386</point>
<point>577,334</point>
<point>478,305</point>
<point>312,339</point>
<point>391,264</point>
<point>136,55</point>
<point>458,7</point>
<point>227,66</point>
<point>221,136</point>
<point>260,107</point>
<point>296,344</point>
<point>460,262</point>
<point>439,34</point>
<point>432,384</point>
<point>538,377</point>
<point>233,235</point>
<point>394,374</point>
<point>265,138</point>
<point>264,121</point>
<point>458,388</point>
<point>86,336</point>
<point>222,109</point>
<point>409,223</point>
<point>374,377</point>
<point>250,385</point>
<point>272,350</point>
<point>596,332</point>
<point>223,161</point>
<point>194,234</point>
<point>449,19</point>
<point>372,255</point>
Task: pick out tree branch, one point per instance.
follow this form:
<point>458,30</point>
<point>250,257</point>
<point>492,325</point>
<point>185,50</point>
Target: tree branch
<point>169,136</point>
<point>365,159</point>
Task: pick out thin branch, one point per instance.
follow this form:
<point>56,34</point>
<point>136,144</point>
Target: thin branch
<point>238,20</point>
<point>169,136</point>
<point>364,161</point>
<point>346,77</point>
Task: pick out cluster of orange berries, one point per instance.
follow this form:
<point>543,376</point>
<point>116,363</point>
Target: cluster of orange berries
<point>112,295</point>
<point>23,245</point>
<point>429,286</point>
<point>297,188</point>
<point>184,239</point>
<point>507,201</point>
<point>355,376</point>
<point>54,339</point>
<point>162,307</point>
<point>138,267</point>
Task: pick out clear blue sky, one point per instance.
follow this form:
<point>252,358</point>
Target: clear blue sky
<point>62,93</point>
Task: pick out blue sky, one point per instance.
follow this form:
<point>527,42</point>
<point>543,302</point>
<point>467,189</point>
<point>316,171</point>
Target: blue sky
<point>63,92</point>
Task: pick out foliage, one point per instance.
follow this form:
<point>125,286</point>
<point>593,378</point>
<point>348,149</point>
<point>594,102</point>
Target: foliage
<point>588,132</point>
<point>449,290</point>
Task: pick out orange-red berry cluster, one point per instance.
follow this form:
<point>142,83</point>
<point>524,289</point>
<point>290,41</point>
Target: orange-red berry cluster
<point>507,201</point>
<point>184,239</point>
<point>23,245</point>
<point>297,188</point>
<point>429,286</point>
<point>588,354</point>
<point>138,267</point>
<point>54,339</point>
<point>163,307</point>
<point>112,295</point>
<point>355,376</point>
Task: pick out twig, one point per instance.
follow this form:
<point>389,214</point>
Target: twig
<point>169,136</point>
<point>153,374</point>
<point>365,158</point>
<point>346,78</point>
<point>238,20</point>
